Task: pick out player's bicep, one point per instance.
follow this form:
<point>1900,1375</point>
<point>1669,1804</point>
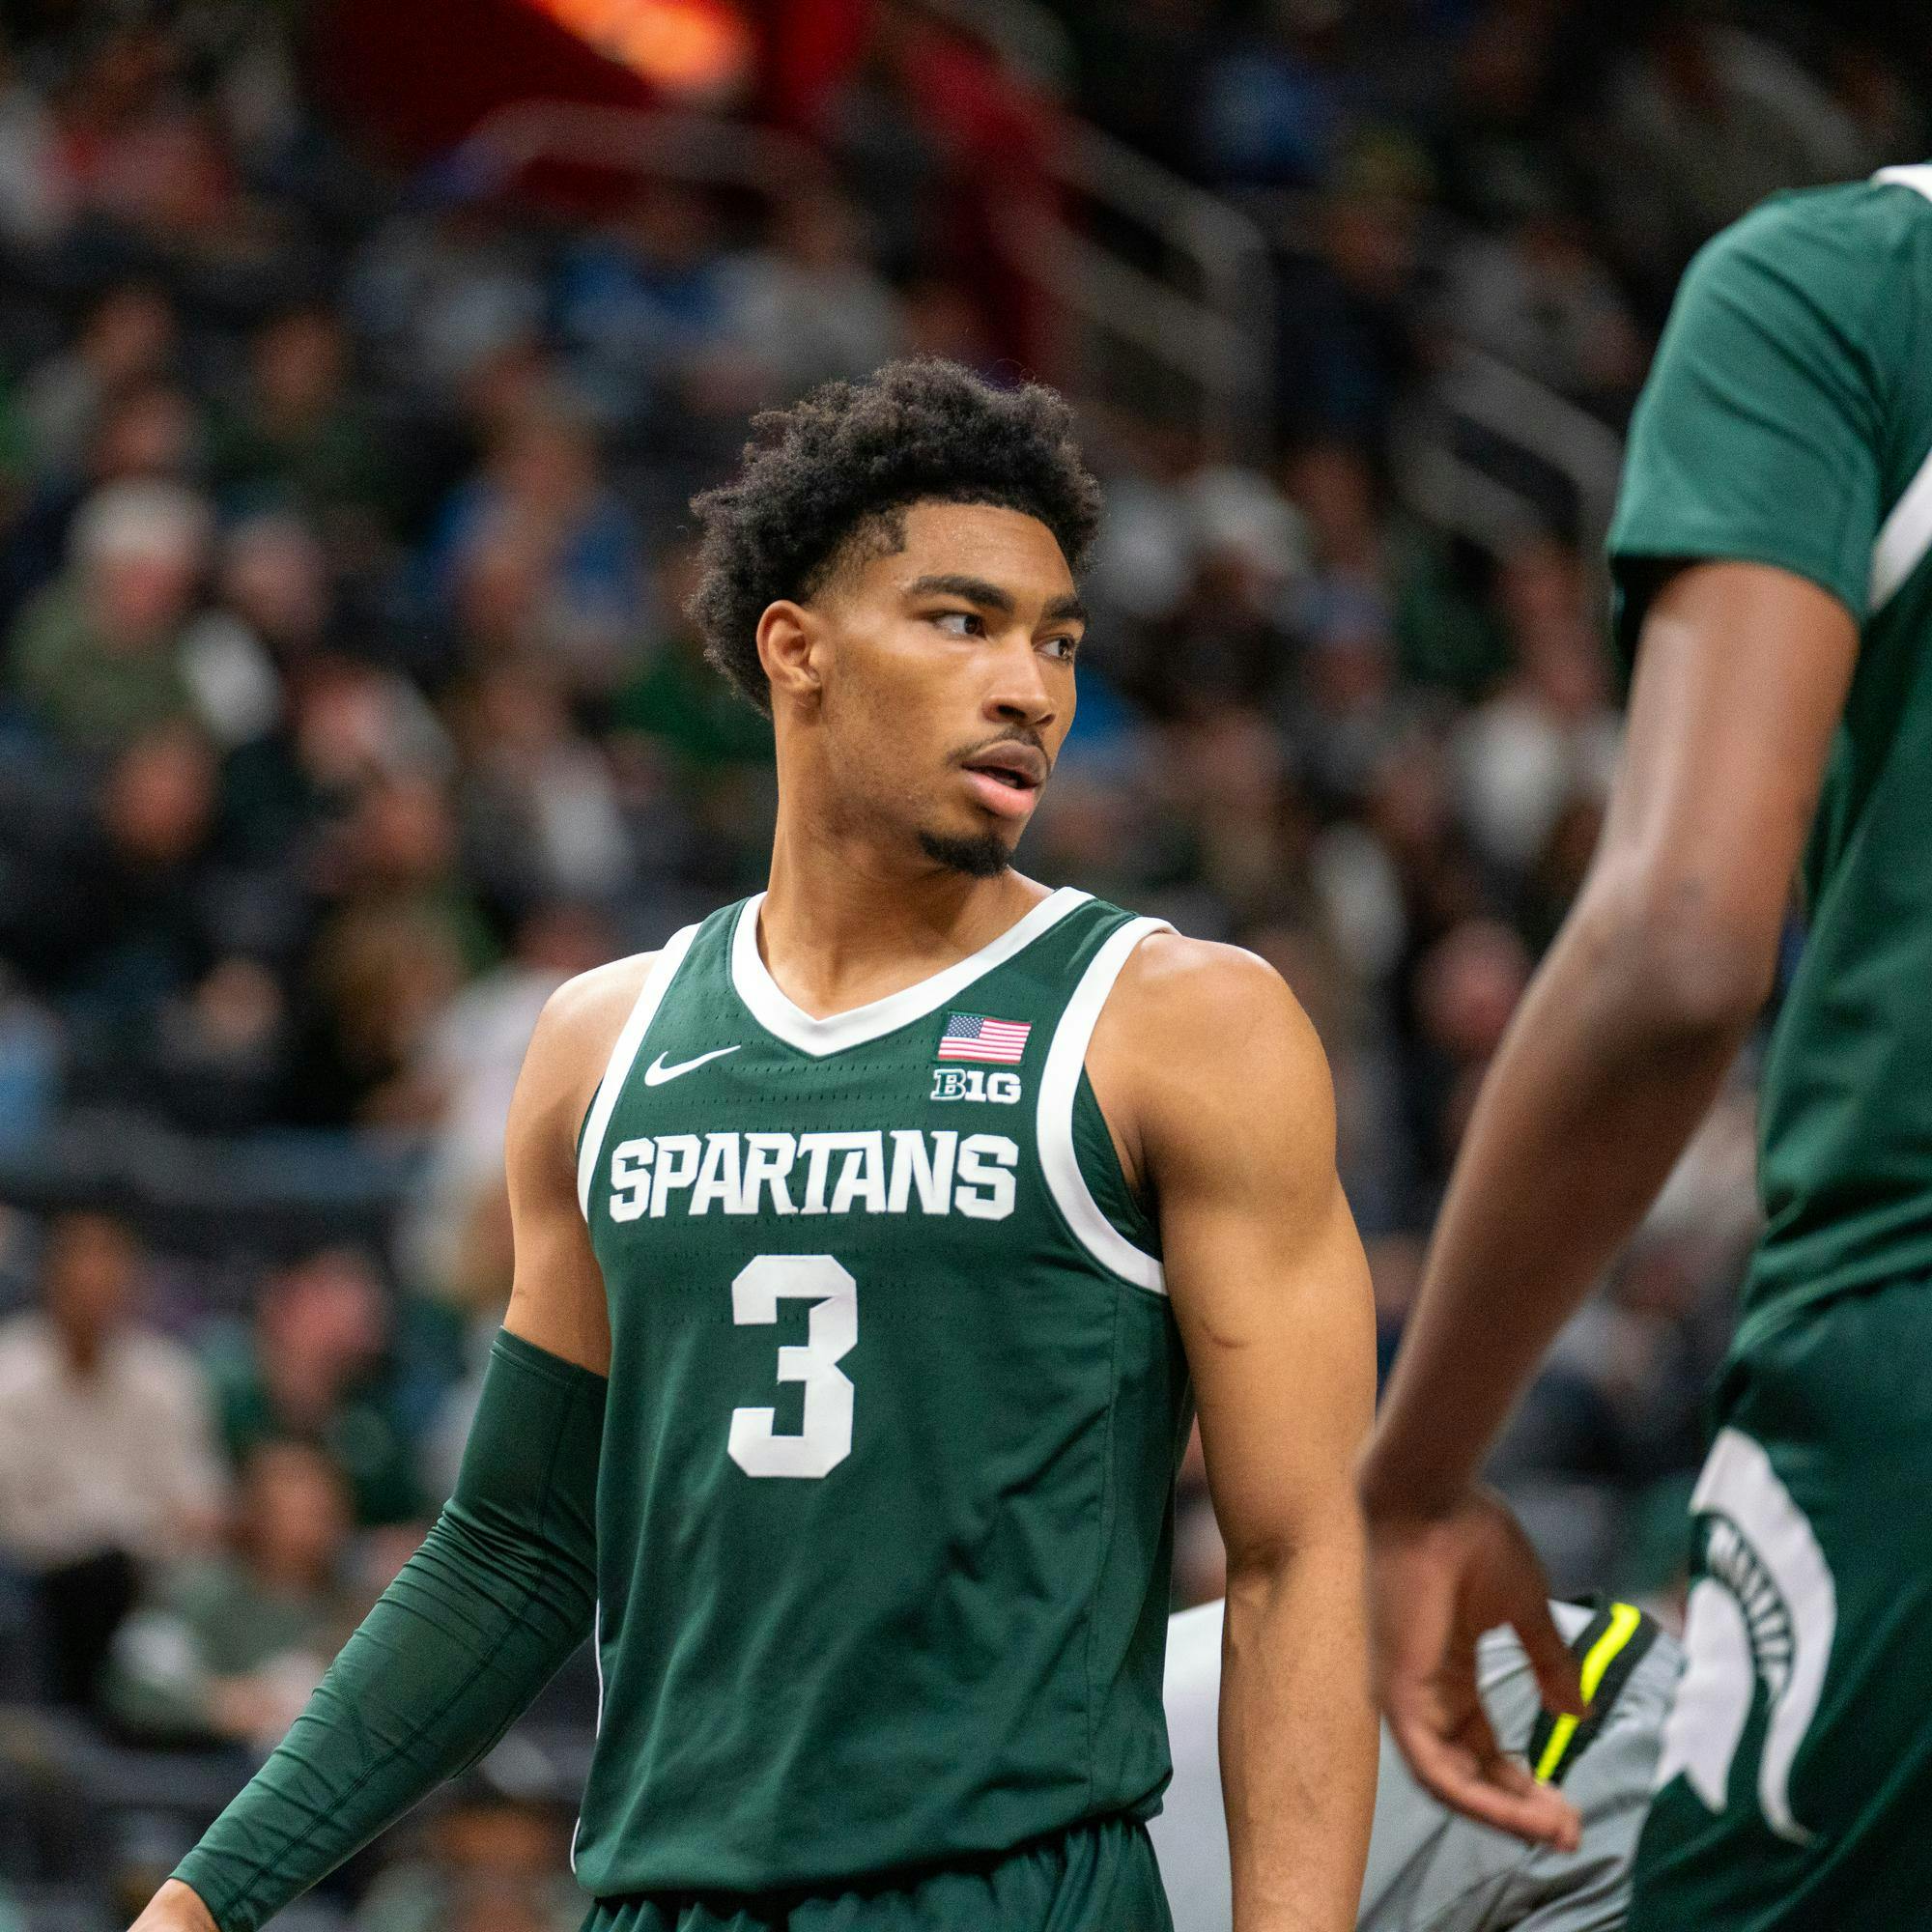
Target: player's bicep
<point>1264,1263</point>
<point>556,1296</point>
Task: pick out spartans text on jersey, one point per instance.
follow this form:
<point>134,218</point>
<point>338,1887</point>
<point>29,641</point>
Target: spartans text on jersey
<point>756,1172</point>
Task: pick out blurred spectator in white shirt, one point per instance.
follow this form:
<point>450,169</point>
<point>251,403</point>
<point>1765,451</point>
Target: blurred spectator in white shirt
<point>107,1459</point>
<point>1550,734</point>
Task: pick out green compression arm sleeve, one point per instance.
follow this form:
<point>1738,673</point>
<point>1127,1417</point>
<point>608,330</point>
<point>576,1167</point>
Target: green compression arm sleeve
<point>475,1624</point>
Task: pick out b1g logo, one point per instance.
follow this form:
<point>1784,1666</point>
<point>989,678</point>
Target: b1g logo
<point>975,1083</point>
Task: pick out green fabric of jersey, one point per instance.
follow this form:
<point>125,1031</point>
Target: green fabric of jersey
<point>897,1405</point>
<point>1098,1877</point>
<point>475,1624</point>
<point>1786,418</point>
<point>1795,1784</point>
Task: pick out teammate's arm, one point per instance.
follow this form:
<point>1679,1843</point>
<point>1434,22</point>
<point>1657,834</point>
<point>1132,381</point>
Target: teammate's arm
<point>1616,1052</point>
<point>1230,1128</point>
<point>502,1590</point>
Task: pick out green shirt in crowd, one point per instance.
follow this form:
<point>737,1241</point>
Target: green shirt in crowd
<point>93,696</point>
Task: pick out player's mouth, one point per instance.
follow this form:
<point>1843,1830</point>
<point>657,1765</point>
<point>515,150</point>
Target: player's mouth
<point>1006,778</point>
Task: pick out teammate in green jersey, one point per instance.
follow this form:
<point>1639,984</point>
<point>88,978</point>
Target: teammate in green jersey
<point>873,1239</point>
<point>1770,555</point>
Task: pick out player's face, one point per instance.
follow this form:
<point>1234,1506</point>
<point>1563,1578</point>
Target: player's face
<point>947,680</point>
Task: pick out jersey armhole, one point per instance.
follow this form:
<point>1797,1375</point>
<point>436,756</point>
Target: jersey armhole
<point>623,1055</point>
<point>1058,1087</point>
<point>1105,1173</point>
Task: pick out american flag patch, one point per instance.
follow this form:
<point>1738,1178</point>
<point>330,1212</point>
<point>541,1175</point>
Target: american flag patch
<point>973,1037</point>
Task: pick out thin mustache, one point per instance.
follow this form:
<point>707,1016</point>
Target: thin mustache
<point>1029,738</point>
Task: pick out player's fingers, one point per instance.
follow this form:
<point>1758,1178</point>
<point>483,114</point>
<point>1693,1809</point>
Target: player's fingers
<point>1446,1736</point>
<point>1555,1663</point>
<point>1472,1775</point>
<point>1543,1811</point>
<point>1540,1811</point>
<point>1525,1602</point>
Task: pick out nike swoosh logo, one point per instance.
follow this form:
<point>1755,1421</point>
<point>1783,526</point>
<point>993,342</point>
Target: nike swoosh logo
<point>657,1072</point>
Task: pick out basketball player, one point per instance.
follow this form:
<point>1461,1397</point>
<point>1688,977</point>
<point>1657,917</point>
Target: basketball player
<point>901,1205</point>
<point>1430,1869</point>
<point>1770,551</point>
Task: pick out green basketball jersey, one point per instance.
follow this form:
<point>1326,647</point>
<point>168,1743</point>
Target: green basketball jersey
<point>1788,420</point>
<point>896,1406</point>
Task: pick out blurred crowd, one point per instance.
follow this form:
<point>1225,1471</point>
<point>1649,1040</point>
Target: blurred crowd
<point>346,707</point>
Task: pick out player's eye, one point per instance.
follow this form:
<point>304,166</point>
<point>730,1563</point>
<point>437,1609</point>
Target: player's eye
<point>961,624</point>
<point>1062,648</point>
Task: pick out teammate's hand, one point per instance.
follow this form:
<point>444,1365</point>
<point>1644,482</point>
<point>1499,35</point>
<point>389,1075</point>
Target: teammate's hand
<point>175,1908</point>
<point>1435,1583</point>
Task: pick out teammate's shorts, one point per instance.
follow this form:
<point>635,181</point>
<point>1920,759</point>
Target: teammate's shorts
<point>1100,1877</point>
<point>1795,1786</point>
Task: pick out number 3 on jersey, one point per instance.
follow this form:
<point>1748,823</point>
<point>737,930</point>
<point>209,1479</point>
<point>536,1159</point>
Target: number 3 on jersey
<point>832,1326</point>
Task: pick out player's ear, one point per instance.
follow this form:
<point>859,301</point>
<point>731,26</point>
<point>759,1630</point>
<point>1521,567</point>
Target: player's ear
<point>790,644</point>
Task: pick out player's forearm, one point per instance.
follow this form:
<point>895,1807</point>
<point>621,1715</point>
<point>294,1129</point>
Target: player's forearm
<point>1298,1734</point>
<point>478,1620</point>
<point>1601,1080</point>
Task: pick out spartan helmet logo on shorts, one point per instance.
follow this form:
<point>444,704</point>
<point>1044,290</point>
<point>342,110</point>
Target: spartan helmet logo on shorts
<point>1765,1611</point>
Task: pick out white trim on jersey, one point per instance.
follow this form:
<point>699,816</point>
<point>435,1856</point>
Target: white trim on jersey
<point>774,1009</point>
<point>617,1069</point>
<point>1916,175</point>
<point>1902,541</point>
<point>597,1729</point>
<point>1059,1084</point>
<point>1906,534</point>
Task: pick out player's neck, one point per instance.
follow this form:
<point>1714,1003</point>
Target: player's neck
<point>843,924</point>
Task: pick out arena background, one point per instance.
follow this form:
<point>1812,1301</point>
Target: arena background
<point>356,362</point>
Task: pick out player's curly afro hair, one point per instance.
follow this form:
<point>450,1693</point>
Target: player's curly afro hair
<point>843,461</point>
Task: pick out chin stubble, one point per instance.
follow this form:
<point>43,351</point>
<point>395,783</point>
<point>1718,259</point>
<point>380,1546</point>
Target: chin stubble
<point>983,857</point>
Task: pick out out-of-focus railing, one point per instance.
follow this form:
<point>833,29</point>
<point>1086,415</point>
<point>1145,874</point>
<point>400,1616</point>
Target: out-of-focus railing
<point>642,141</point>
<point>1480,424</point>
<point>1180,319</point>
<point>1199,300</point>
<point>1207,315</point>
<point>1195,302</point>
<point>1031,41</point>
<point>1503,401</point>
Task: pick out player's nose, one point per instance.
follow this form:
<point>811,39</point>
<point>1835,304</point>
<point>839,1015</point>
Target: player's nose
<point>1018,690</point>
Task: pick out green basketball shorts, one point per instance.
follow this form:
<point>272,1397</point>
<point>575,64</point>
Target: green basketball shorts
<point>1100,1877</point>
<point>1795,1785</point>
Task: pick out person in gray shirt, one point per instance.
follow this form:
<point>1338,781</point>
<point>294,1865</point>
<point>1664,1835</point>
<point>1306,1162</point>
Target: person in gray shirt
<point>1430,1869</point>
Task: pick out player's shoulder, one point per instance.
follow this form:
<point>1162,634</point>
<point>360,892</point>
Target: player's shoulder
<point>1836,241</point>
<point>1197,1006</point>
<point>586,1012</point>
<point>1204,983</point>
<point>595,1001</point>
<point>572,1043</point>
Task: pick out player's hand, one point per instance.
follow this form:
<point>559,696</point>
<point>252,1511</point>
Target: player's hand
<point>175,1908</point>
<point>1435,1583</point>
